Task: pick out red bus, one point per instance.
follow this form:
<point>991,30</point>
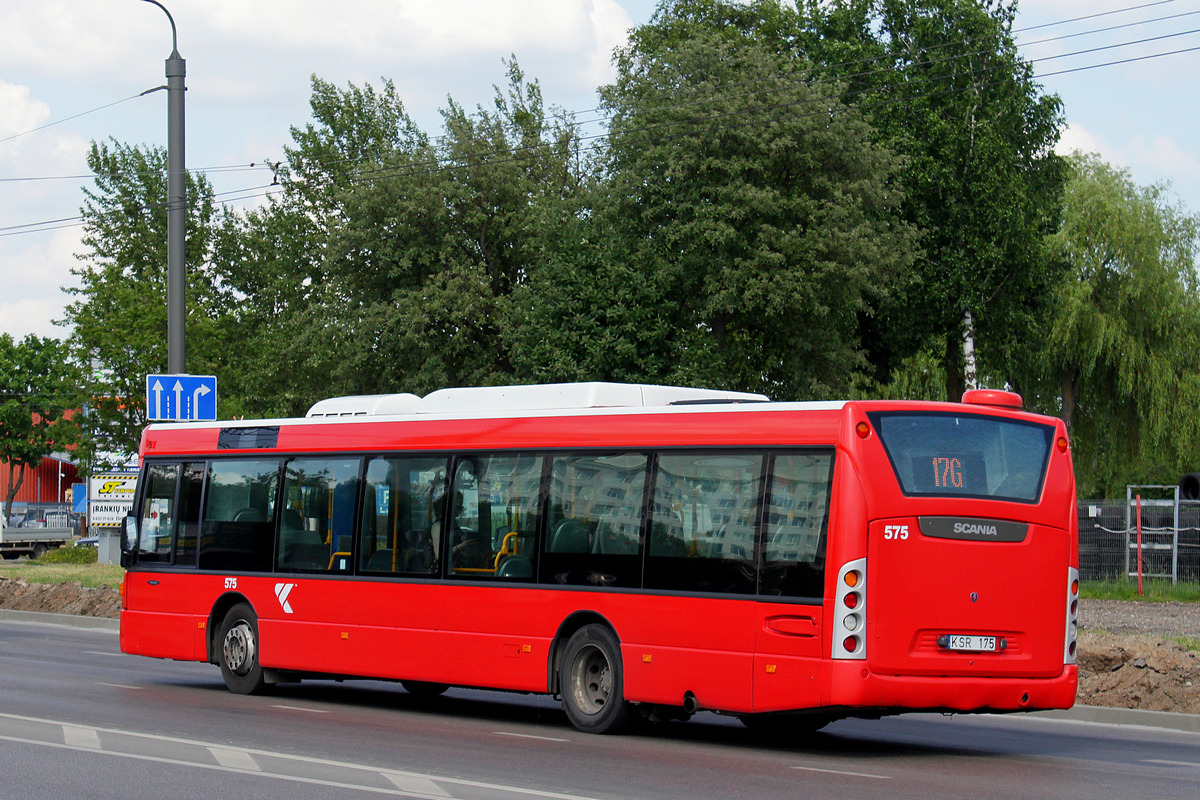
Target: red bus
<point>631,549</point>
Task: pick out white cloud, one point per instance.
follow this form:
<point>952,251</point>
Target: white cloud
<point>1161,154</point>
<point>19,112</point>
<point>33,276</point>
<point>1075,137</point>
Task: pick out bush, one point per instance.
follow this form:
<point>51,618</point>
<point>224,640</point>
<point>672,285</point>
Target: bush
<point>70,555</point>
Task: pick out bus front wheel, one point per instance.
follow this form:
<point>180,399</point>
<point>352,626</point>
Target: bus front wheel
<point>240,667</point>
<point>591,681</point>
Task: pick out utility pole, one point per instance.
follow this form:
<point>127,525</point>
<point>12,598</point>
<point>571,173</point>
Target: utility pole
<point>176,206</point>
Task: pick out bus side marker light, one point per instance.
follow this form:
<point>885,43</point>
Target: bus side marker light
<point>647,658</point>
<point>852,578</point>
<point>863,430</point>
<point>202,624</point>
<point>770,669</point>
<point>345,634</point>
<point>1062,444</point>
<point>526,648</point>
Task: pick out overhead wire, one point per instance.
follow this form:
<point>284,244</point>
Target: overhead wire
<point>515,154</point>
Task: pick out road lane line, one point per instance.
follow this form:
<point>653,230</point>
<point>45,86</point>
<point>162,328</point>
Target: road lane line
<point>77,736</point>
<point>530,736</point>
<point>844,772</point>
<point>123,749</point>
<point>1171,763</point>
<point>298,708</point>
<point>118,686</point>
<point>105,653</point>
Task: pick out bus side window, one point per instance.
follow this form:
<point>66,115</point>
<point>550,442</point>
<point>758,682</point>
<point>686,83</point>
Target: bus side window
<point>594,525</point>
<point>237,532</point>
<point>494,517</point>
<point>797,520</point>
<point>704,516</point>
<point>316,526</point>
<point>156,525</point>
<point>401,508</point>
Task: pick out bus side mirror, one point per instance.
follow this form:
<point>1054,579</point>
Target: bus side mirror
<point>129,540</point>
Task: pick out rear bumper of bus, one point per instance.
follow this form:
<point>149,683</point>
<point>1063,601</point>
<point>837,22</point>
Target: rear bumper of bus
<point>852,686</point>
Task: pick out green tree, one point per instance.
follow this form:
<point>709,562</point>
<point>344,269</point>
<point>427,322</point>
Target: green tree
<point>37,389</point>
<point>744,222</point>
<point>944,87</point>
<point>119,316</point>
<point>1118,358</point>
<point>413,246</point>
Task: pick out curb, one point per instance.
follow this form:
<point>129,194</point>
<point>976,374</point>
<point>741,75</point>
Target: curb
<point>1103,715</point>
<point>60,620</point>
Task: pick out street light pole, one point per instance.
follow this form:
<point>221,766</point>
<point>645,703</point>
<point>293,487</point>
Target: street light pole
<point>176,205</point>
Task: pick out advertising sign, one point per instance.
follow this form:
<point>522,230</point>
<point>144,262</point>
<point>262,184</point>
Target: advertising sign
<point>110,498</point>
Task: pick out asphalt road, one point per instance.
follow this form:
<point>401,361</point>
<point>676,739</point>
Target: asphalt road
<point>79,719</point>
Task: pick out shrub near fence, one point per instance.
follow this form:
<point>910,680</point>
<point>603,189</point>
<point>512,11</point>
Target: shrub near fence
<point>1108,539</point>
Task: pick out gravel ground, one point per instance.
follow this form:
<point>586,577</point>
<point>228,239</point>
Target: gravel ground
<point>1128,616</point>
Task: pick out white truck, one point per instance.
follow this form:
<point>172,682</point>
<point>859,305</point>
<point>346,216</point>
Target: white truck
<point>30,541</point>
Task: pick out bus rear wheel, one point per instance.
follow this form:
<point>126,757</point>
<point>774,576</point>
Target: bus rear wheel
<point>591,681</point>
<point>238,656</point>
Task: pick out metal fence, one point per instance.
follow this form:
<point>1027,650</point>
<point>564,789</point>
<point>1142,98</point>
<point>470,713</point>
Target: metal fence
<point>1170,536</point>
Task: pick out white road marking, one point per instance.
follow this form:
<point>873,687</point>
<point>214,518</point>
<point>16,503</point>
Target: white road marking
<point>123,744</point>
<point>530,736</point>
<point>298,708</point>
<point>104,653</point>
<point>845,772</point>
<point>1171,763</point>
<point>416,784</point>
<point>77,736</point>
<point>235,759</point>
<point>117,685</point>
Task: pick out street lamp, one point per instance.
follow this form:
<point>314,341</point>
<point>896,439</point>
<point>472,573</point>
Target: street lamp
<point>176,205</point>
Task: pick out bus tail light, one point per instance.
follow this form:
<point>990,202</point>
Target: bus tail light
<point>1072,632</point>
<point>850,612</point>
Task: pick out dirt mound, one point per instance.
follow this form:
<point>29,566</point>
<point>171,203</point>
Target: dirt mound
<point>19,594</point>
<point>1130,671</point>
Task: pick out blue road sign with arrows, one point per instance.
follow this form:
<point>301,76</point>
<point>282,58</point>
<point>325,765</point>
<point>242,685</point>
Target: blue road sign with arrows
<point>181,397</point>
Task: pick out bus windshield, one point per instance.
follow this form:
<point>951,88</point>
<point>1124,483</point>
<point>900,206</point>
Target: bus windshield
<point>937,454</point>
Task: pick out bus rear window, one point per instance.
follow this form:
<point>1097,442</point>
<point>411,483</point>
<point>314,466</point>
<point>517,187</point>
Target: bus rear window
<point>965,455</point>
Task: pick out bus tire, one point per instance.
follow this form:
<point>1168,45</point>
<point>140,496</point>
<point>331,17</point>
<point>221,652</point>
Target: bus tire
<point>239,651</point>
<point>592,682</point>
<point>39,550</point>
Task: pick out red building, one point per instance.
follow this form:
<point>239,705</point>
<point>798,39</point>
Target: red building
<point>49,483</point>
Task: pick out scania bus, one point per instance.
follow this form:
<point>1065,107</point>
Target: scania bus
<point>630,549</point>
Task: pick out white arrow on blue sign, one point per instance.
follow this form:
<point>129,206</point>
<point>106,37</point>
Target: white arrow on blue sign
<point>181,397</point>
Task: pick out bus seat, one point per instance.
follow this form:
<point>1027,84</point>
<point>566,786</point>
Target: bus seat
<point>380,561</point>
<point>570,536</point>
<point>515,567</point>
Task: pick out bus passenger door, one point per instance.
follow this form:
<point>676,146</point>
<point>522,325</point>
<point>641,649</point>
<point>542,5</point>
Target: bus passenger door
<point>787,658</point>
<point>791,583</point>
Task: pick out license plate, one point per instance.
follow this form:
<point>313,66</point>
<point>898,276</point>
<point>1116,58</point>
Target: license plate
<point>959,641</point>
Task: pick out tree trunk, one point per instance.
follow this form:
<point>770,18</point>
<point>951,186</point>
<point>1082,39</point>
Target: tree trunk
<point>15,472</point>
<point>1069,397</point>
<point>970,371</point>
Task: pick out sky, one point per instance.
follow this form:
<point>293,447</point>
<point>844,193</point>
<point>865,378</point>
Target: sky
<point>73,72</point>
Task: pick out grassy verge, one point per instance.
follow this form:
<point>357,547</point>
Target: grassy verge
<point>92,575</point>
<point>1153,590</point>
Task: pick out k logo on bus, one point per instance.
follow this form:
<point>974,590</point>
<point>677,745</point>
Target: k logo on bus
<point>282,590</point>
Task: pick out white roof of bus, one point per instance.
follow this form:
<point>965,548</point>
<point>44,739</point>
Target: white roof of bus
<point>543,397</point>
